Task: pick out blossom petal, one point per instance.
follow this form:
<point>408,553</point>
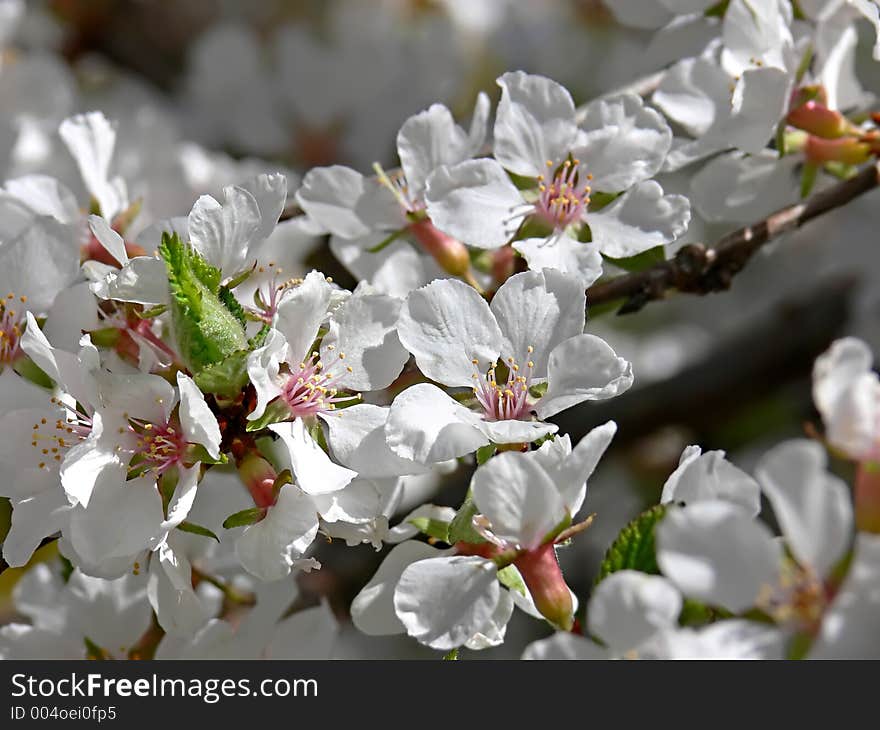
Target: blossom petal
<point>518,498</point>
<point>625,143</point>
<point>812,505</point>
<point>372,610</point>
<point>222,233</point>
<point>198,422</point>
<point>709,476</point>
<point>583,368</point>
<point>300,313</point>
<point>108,238</point>
<point>564,645</point>
<point>718,553</point>
<point>447,326</point>
<point>729,639</point>
<point>357,438</point>
<point>535,122</point>
<point>33,519</point>
<point>315,472</point>
<point>536,310</point>
<point>514,431</point>
<point>263,365</point>
<point>270,548</point>
<point>427,140</point>
<point>475,202</point>
<point>640,219</point>
<point>425,425</point>
<point>628,607</point>
<point>564,254</point>
<point>443,602</point>
<point>270,193</point>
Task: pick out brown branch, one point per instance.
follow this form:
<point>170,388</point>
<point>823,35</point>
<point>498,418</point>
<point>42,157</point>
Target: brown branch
<point>696,269</point>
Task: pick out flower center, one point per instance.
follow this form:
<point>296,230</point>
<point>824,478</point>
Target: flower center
<point>506,400</point>
<point>396,183</point>
<point>52,439</point>
<point>564,199</point>
<point>10,330</point>
<point>798,601</point>
<point>159,446</point>
<point>311,389</point>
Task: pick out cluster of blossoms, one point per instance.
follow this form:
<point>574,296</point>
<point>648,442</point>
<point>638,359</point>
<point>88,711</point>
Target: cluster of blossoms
<point>186,417</point>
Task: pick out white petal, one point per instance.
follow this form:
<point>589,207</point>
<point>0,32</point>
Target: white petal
<point>405,529</point>
<point>314,471</point>
<point>357,438</point>
<point>625,143</point>
<point>564,254</point>
<point>812,505</point>
<point>178,608</point>
<point>300,313</point>
<point>262,366</point>
<point>395,270</point>
<point>538,310</point>
<point>34,518</point>
<point>518,498</point>
<point>443,602</point>
<point>427,140</point>
<point>108,238</point>
<point>372,610</point>
<point>270,194</point>
<point>571,468</point>
<point>447,326</point>
<point>564,646</point>
<point>181,501</point>
<point>534,123</point>
<point>41,261</point>
<point>45,195</point>
<point>515,432</point>
<point>851,626</point>
<point>729,639</point>
<point>427,426</point>
<point>144,280</point>
<point>198,422</point>
<point>640,14</point>
<point>348,204</point>
<point>270,548</point>
<point>759,102</point>
<point>629,607</point>
<point>357,503</point>
<point>73,312</point>
<point>223,233</point>
<point>583,368</point>
<point>307,634</point>
<point>718,553</point>
<point>475,202</point>
<point>148,397</point>
<point>710,476</point>
<point>366,353</point>
<point>91,139</point>
<point>493,633</point>
<point>638,220</point>
<point>871,13</point>
<point>85,463</point>
<point>847,394</point>
<point>122,518</point>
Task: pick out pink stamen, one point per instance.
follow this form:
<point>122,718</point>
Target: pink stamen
<point>10,331</point>
<point>565,198</point>
<point>506,401</point>
<point>311,390</point>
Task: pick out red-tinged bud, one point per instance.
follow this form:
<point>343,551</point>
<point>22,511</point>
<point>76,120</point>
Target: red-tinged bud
<point>486,550</point>
<point>503,263</point>
<point>450,254</point>
<point>259,477</point>
<point>819,120</point>
<point>540,571</point>
<point>810,92</point>
<point>867,497</point>
<point>848,150</point>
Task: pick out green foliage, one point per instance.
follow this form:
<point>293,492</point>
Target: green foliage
<point>245,517</point>
<point>206,330</point>
<point>484,453</point>
<point>510,577</point>
<point>633,548</point>
<point>641,261</point>
<point>195,529</point>
<point>438,529</point>
<point>461,529</point>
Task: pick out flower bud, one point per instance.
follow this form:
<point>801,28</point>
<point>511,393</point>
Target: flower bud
<point>259,476</point>
<point>819,120</point>
<point>540,571</point>
<point>848,150</point>
<point>503,263</point>
<point>450,254</point>
<point>867,497</point>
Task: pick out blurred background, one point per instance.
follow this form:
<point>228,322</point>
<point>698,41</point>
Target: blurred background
<point>208,92</point>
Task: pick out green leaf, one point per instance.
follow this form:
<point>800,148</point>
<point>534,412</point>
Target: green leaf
<point>808,178</point>
<point>241,277</point>
<point>641,261</point>
<point>538,390</point>
<point>152,311</point>
<point>599,200</point>
<point>452,656</point>
<point>275,412</point>
<point>195,529</point>
<point>461,529</point>
<point>484,453</point>
<point>205,330</point>
<point>633,549</point>
<point>437,529</point>
<point>387,241</point>
<point>29,370</point>
<point>245,517</point>
<point>510,577</point>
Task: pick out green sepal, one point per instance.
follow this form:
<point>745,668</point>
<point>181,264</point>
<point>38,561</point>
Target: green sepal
<point>29,370</point>
<point>205,330</point>
<point>152,311</point>
<point>809,173</point>
<point>198,453</point>
<point>452,656</point>
<point>484,453</point>
<point>225,295</point>
<point>641,261</point>
<point>225,378</point>
<point>105,337</point>
<point>538,390</point>
<point>195,529</point>
<point>633,548</point>
<point>438,529</point>
<point>510,578</point>
<point>599,200</point>
<point>245,517</point>
<point>461,529</point>
<point>241,277</point>
<point>387,241</point>
<point>276,412</point>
